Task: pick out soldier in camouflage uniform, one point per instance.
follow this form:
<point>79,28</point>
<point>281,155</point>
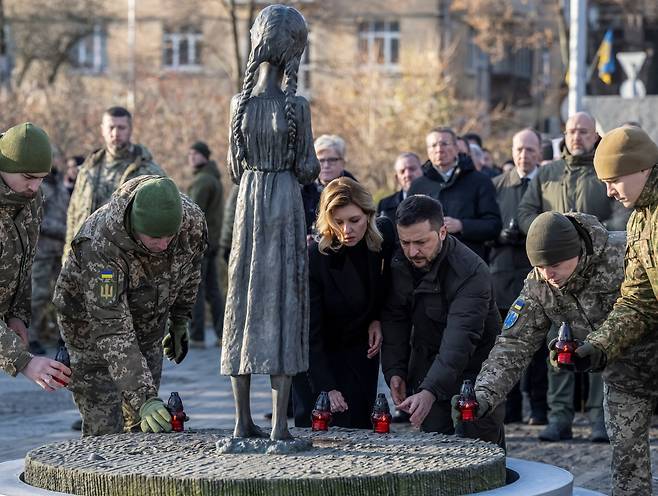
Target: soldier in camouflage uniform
<point>134,265</point>
<point>48,258</point>
<point>106,169</point>
<point>578,267</point>
<point>25,158</point>
<point>626,161</point>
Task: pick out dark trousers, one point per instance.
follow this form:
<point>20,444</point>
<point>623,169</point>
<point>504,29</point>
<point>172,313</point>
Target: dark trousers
<point>535,382</point>
<point>210,292</point>
<point>303,399</point>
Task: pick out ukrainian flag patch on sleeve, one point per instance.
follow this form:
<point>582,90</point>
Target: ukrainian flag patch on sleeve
<point>107,286</point>
<point>514,313</point>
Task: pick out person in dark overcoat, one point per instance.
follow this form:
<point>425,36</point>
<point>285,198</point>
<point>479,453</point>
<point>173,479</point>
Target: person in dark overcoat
<point>349,271</point>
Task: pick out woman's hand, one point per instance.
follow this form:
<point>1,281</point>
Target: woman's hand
<point>18,326</point>
<point>337,402</point>
<point>375,338</point>
<point>43,371</point>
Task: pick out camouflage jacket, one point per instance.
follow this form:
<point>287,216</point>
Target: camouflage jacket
<point>53,227</point>
<point>584,303</point>
<point>98,179</point>
<point>113,297</point>
<point>19,229</point>
<point>635,314</point>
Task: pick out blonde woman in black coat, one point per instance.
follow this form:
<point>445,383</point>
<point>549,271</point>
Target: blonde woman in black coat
<point>349,276</point>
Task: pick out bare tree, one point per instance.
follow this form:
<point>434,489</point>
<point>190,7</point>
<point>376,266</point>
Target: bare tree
<point>45,32</point>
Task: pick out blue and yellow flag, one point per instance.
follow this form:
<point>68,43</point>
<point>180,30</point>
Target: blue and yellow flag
<point>606,60</point>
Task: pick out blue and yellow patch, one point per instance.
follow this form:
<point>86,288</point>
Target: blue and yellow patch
<point>514,313</point>
<point>107,287</point>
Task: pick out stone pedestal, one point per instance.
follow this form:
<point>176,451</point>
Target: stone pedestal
<point>340,462</point>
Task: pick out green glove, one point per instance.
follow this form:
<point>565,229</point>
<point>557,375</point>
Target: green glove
<point>552,353</point>
<point>589,358</point>
<point>175,342</point>
<point>154,416</point>
<point>455,414</point>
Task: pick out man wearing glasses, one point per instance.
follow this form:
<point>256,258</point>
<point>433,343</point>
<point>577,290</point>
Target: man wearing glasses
<point>468,197</point>
<point>330,150</point>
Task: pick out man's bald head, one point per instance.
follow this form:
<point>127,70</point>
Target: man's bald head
<point>580,133</point>
<point>526,149</point>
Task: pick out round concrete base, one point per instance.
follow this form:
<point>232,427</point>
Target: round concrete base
<point>340,462</point>
<point>532,480</point>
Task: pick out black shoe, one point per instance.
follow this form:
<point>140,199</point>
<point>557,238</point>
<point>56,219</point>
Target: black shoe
<point>36,348</point>
<point>77,425</point>
<point>599,434</point>
<point>537,421</point>
<point>268,416</point>
<point>554,432</point>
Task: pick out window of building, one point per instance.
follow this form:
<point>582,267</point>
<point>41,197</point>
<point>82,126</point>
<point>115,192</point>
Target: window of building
<point>90,53</point>
<point>182,48</point>
<point>379,43</point>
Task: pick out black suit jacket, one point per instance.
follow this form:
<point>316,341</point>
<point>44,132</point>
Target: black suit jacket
<point>338,324</point>
<point>388,206</point>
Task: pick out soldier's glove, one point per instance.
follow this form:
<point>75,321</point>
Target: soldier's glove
<point>589,358</point>
<point>455,414</point>
<point>154,416</point>
<point>175,343</point>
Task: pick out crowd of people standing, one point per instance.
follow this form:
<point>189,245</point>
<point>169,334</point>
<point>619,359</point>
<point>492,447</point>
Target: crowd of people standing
<point>465,272</point>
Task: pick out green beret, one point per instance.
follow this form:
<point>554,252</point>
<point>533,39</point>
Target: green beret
<point>552,238</point>
<point>157,210</point>
<point>25,149</point>
<point>624,151</point>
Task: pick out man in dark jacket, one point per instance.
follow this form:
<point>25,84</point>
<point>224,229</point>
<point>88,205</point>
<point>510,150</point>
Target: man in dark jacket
<point>509,267</point>
<point>468,197</point>
<point>207,192</point>
<point>569,184</point>
<point>330,150</point>
<point>444,292</point>
<point>407,168</point>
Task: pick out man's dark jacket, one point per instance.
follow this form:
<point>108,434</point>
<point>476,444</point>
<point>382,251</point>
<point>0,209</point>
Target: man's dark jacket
<point>311,198</point>
<point>388,206</point>
<point>468,196</point>
<point>454,319</point>
<point>508,260</point>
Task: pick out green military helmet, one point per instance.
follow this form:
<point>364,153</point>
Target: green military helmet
<point>25,148</point>
<point>552,238</point>
<point>157,210</point>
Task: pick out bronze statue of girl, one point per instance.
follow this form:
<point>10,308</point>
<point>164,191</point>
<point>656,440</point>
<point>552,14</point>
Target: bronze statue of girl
<point>271,152</point>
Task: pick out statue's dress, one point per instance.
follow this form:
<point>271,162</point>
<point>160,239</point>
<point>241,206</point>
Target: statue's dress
<point>266,323</point>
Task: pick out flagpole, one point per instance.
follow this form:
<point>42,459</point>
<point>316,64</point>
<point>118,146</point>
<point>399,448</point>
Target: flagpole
<point>577,52</point>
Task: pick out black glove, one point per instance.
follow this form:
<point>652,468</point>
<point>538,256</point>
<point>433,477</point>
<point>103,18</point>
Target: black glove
<point>589,358</point>
<point>511,237</point>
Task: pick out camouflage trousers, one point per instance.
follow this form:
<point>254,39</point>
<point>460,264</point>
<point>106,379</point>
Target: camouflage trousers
<point>627,420</point>
<point>101,405</point>
<point>44,274</point>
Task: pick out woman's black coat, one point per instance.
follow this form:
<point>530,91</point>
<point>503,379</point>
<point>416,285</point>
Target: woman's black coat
<point>339,325</point>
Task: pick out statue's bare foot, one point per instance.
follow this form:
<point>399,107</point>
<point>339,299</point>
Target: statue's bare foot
<point>250,430</point>
<point>280,434</point>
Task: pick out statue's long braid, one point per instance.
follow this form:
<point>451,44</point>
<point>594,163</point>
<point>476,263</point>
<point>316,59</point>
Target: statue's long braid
<point>247,88</point>
<point>290,73</point>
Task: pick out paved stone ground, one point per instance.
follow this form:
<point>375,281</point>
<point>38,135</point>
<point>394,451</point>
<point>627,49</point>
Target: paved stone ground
<point>30,417</point>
